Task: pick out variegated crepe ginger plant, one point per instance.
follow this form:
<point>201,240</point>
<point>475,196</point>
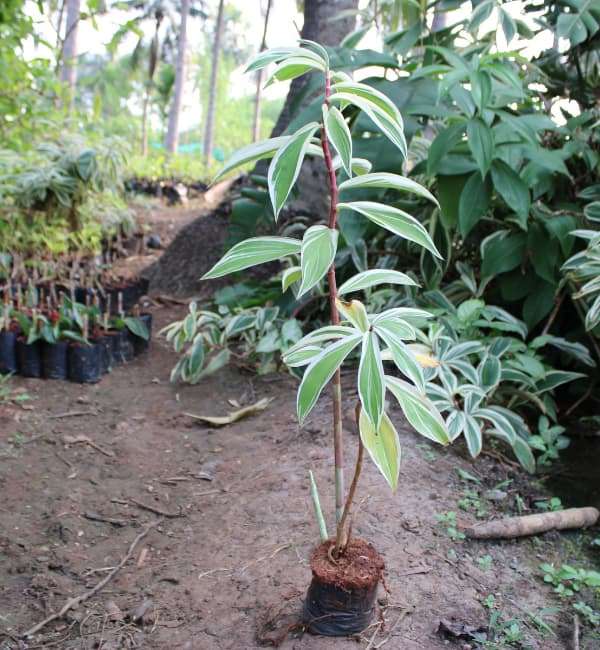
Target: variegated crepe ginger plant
<point>324,350</point>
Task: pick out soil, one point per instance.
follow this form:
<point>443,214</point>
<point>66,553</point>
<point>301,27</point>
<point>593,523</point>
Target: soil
<point>83,469</point>
<point>358,568</point>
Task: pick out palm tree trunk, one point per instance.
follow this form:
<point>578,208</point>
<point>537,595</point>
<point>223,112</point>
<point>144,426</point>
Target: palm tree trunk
<point>259,80</point>
<point>172,139</point>
<point>212,92</point>
<point>145,122</point>
<point>68,72</point>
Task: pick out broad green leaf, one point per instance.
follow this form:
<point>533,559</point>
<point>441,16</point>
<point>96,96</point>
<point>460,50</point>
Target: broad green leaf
<point>327,333</point>
<point>316,48</point>
<point>474,202</point>
<point>489,372</point>
<point>251,153</point>
<point>302,356</point>
<point>481,143</point>
<point>391,127</point>
<point>419,410</point>
<point>319,246</point>
<point>250,252</point>
<point>355,312</point>
<point>138,327</point>
<point>481,89</point>
<point>402,356</point>
<point>278,54</point>
<point>352,39</point>
<point>512,189</point>
<point>374,277</point>
<point>386,180</point>
<point>579,24</point>
<point>339,135</point>
<point>394,220</point>
<point>443,143</point>
<point>320,371</point>
<point>524,454</point>
<point>286,164</point>
<point>509,27</point>
<point>502,252</point>
<point>371,382</point>
<point>289,276</point>
<point>473,435</point>
<point>370,94</point>
<point>592,211</point>
<point>292,68</point>
<point>383,446</point>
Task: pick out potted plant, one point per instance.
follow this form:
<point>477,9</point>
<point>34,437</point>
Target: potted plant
<point>28,345</point>
<point>8,340</point>
<point>58,329</point>
<point>346,570</point>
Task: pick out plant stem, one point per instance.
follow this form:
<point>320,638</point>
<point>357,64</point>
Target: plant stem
<point>340,542</point>
<point>335,319</point>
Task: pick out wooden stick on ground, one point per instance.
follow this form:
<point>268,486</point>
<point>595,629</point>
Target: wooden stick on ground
<point>534,524</point>
<point>77,600</point>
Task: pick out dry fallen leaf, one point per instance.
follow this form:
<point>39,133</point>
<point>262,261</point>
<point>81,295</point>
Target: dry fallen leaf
<point>234,416</point>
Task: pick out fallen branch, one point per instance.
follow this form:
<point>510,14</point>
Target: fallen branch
<point>73,440</point>
<point>234,416</point>
<point>77,600</point>
<point>156,510</point>
<point>534,524</point>
<point>71,414</point>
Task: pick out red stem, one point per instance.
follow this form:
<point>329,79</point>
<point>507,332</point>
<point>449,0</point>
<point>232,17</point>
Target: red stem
<point>335,319</point>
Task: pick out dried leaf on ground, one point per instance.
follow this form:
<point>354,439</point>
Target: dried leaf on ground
<point>234,416</point>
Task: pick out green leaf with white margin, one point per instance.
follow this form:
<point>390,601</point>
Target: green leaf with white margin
<point>396,327</point>
<point>320,371</point>
<point>319,246</point>
<point>489,372</point>
<point>390,127</point>
<point>292,68</point>
<point>289,276</point>
<point>402,356</point>
<point>383,446</point>
<point>286,164</point>
<point>385,180</point>
<point>524,455</point>
<point>473,436</point>
<point>355,312</point>
<point>339,135</point>
<point>315,48</point>
<point>419,410</point>
<point>378,99</point>
<point>277,54</point>
<point>394,220</point>
<point>250,252</point>
<point>327,333</point>
<point>371,380</point>
<point>374,277</point>
<point>251,153</point>
<point>302,356</point>
<point>361,166</point>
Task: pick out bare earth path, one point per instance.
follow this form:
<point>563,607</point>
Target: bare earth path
<point>229,572</point>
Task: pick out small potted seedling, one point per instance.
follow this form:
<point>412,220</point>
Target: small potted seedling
<point>85,361</point>
<point>140,328</point>
<point>28,346</point>
<point>58,330</point>
<point>346,570</point>
<point>8,335</point>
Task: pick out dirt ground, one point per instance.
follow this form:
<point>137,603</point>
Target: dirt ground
<point>226,565</point>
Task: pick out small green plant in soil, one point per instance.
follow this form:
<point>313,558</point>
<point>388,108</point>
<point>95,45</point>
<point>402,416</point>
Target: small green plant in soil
<point>447,521</point>
<point>554,504</point>
<point>579,586</point>
<point>312,259</point>
<point>549,440</point>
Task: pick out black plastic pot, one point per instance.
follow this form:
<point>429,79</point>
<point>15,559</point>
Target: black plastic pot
<point>29,358</point>
<point>336,603</point>
<point>54,360</point>
<point>127,352</point>
<point>8,352</point>
<point>139,344</point>
<point>106,352</point>
<point>84,363</point>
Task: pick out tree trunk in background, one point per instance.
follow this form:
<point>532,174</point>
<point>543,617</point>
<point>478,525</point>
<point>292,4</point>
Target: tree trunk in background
<point>68,72</point>
<point>318,26</point>
<point>212,92</point>
<point>145,122</point>
<point>440,18</point>
<point>259,80</point>
<point>172,139</point>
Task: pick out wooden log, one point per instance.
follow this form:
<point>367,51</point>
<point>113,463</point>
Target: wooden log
<point>534,524</point>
